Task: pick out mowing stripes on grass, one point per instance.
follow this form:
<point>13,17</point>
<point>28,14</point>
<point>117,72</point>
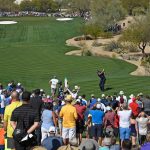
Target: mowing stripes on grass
<point>33,50</point>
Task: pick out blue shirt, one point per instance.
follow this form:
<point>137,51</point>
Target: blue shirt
<point>146,146</point>
<point>97,116</point>
<point>47,119</point>
<point>93,102</point>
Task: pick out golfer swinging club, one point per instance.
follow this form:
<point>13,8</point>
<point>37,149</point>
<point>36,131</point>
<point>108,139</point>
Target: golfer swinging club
<point>102,77</point>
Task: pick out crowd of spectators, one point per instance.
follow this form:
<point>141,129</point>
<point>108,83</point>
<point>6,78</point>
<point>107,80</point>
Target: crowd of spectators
<point>64,120</point>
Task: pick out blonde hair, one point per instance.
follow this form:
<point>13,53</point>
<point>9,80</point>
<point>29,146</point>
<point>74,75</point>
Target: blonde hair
<point>38,148</point>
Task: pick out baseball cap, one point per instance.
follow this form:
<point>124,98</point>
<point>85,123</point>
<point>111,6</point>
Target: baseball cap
<point>92,95</point>
<point>68,98</point>
<point>80,97</point>
<point>140,94</point>
<point>98,106</point>
<point>52,129</point>
<point>103,95</point>
<point>108,108</point>
<point>98,99</point>
<point>133,99</point>
<point>78,100</point>
<point>131,96</point>
<point>121,92</point>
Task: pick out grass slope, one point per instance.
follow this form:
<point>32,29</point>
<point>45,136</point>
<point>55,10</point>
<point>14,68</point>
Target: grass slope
<point>32,51</point>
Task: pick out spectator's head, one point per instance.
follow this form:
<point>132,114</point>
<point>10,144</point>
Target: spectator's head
<point>78,101</point>
<point>103,96</point>
<point>92,96</point>
<point>107,141</point>
<point>37,92</point>
<point>148,137</point>
<point>68,99</point>
<point>26,96</point>
<point>142,114</point>
<point>83,96</point>
<point>133,116</point>
<point>98,106</point>
<point>108,108</point>
<point>38,148</point>
<point>89,144</point>
<point>52,130</point>
<point>113,141</point>
<point>126,144</point>
<point>121,93</point>
<point>15,95</point>
<point>49,106</point>
<point>133,99</point>
<point>125,106</point>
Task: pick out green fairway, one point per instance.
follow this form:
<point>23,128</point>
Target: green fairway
<point>33,50</point>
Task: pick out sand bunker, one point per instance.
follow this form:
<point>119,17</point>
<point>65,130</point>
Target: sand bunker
<point>64,19</point>
<point>8,22</point>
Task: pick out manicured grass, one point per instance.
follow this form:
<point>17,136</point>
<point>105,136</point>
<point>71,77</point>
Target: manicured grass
<point>32,51</point>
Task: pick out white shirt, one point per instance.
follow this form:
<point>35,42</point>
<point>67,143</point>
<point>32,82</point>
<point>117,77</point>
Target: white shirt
<point>142,123</point>
<point>2,101</point>
<point>129,101</point>
<point>54,83</point>
<point>124,118</point>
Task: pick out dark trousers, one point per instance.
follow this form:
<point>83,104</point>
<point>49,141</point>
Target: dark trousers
<point>102,84</point>
<point>38,135</point>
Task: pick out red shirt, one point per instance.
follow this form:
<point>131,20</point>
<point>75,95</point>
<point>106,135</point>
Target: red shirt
<point>80,111</point>
<point>109,119</point>
<point>135,108</point>
<point>116,121</point>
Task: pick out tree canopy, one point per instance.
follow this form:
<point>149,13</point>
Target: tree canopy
<point>138,33</point>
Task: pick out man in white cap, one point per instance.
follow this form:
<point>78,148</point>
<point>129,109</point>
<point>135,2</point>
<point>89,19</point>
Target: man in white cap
<point>49,143</point>
<point>121,98</point>
<point>109,121</point>
<point>53,83</point>
<point>130,100</point>
<point>96,117</point>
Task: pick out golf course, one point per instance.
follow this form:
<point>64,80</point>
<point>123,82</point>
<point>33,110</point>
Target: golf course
<point>33,51</point>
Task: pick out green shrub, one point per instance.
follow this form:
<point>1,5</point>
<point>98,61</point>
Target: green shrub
<point>132,48</point>
<point>113,46</point>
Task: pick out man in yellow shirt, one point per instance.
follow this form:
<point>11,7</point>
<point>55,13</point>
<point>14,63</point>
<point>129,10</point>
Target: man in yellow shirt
<point>69,115</point>
<point>7,116</point>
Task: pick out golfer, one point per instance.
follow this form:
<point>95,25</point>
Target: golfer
<point>102,77</point>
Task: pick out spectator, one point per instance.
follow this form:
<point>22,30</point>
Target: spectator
<point>121,98</point>
<point>2,105</point>
<point>26,118</point>
<point>114,146</point>
<point>146,103</point>
<point>89,144</point>
<point>36,103</point>
<point>53,83</point>
<point>96,117</point>
<point>92,101</point>
<point>130,100</point>
<point>142,121</point>
<point>103,108</point>
<point>114,103</point>
<point>52,142</point>
<point>69,115</point>
<point>7,116</point>
<point>109,121</point>
<point>134,107</point>
<point>126,144</point>
<point>124,122</point>
<point>133,129</point>
<point>146,146</point>
<point>80,121</point>
<point>104,100</point>
<point>48,120</point>
<point>83,100</point>
<point>2,139</point>
<point>106,144</point>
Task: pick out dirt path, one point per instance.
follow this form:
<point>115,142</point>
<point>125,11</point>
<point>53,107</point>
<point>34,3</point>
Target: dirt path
<point>99,51</point>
